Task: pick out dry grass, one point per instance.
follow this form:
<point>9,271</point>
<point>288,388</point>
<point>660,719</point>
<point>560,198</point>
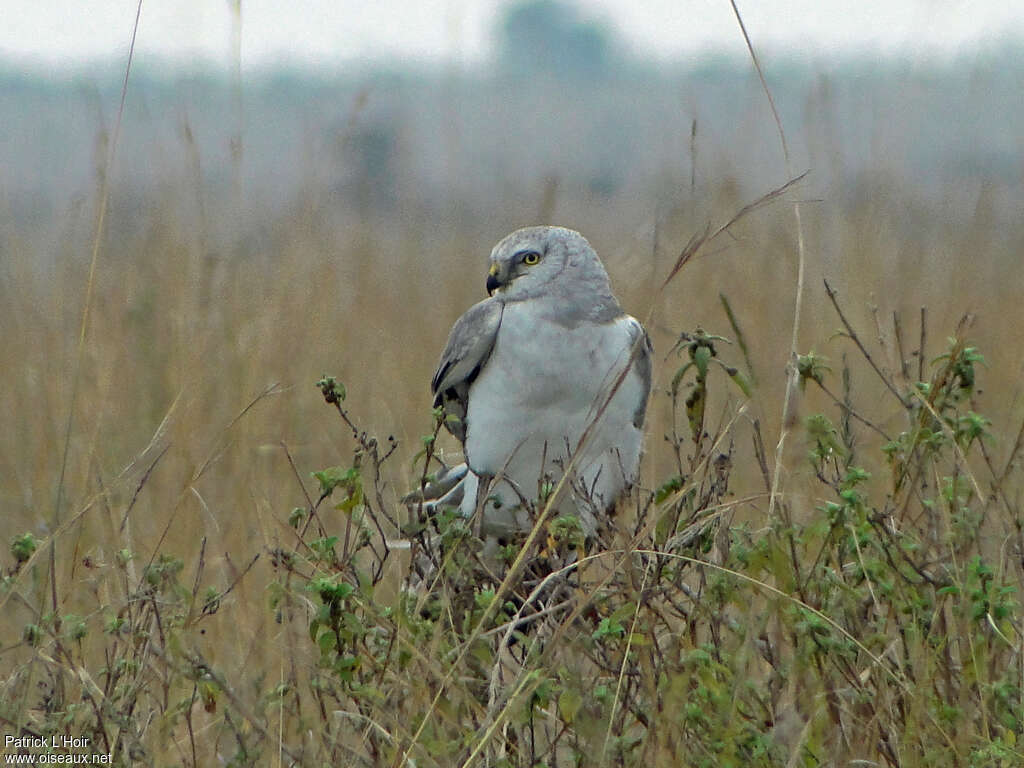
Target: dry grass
<point>181,634</point>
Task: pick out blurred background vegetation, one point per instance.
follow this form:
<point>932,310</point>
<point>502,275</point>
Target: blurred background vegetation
<point>261,233</point>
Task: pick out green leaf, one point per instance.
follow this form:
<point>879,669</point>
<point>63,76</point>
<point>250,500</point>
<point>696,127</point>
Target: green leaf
<point>668,488</point>
<point>569,703</point>
<point>324,549</point>
<point>608,628</point>
<point>332,389</point>
<point>674,388</point>
<point>701,356</point>
<point>811,367</point>
<point>742,382</point>
<point>327,642</point>
<point>23,547</point>
<point>329,479</point>
<point>695,409</point>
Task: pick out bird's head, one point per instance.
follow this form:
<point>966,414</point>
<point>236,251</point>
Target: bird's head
<point>529,261</point>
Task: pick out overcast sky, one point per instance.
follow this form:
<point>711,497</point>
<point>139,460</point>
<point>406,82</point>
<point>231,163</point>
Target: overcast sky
<point>58,33</point>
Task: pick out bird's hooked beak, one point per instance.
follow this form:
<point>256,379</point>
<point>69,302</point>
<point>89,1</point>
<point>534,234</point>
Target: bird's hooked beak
<point>494,279</point>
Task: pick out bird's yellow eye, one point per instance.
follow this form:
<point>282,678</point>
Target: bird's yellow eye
<point>531,258</point>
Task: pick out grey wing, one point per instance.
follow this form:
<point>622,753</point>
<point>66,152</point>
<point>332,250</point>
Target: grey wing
<point>469,345</point>
<point>640,344</point>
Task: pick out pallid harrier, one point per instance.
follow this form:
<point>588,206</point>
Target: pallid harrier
<point>528,370</point>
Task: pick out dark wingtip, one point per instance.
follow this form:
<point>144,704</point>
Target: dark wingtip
<point>436,382</point>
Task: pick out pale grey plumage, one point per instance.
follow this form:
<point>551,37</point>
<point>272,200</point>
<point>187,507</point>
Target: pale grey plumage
<point>469,345</point>
<point>527,370</point>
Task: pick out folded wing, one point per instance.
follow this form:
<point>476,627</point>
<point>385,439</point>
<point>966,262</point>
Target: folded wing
<point>469,345</point>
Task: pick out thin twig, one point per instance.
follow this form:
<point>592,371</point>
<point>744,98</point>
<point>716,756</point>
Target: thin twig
<point>791,379</point>
<point>897,327</point>
<point>847,409</point>
<point>740,338</point>
<point>83,327</point>
<point>920,346</point>
<point>138,488</point>
<point>852,334</point>
<point>298,477</point>
<point>700,239</point>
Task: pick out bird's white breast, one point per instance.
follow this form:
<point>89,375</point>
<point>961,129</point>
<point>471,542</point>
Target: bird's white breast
<point>541,387</point>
